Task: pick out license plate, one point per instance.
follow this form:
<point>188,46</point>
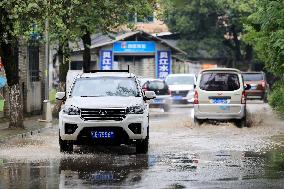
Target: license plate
<point>102,176</point>
<point>220,101</point>
<point>177,97</point>
<point>158,101</point>
<point>102,134</point>
<point>224,108</point>
<point>253,87</point>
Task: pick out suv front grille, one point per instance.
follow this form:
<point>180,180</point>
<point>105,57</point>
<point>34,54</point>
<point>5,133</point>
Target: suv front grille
<point>103,114</point>
<point>180,93</point>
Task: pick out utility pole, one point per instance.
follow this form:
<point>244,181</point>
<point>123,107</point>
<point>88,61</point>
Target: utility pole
<point>47,115</point>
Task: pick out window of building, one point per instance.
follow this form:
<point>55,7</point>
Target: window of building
<point>33,53</point>
<point>141,18</point>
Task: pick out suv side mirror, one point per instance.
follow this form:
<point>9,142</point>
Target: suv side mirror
<point>149,95</point>
<point>60,96</point>
<point>247,87</point>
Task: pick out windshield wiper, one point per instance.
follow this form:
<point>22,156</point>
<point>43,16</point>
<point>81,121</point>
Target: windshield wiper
<point>90,96</point>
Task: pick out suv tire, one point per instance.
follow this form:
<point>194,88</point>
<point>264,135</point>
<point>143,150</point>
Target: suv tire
<point>65,146</point>
<point>142,146</point>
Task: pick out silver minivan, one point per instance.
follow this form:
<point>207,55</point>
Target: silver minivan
<point>220,95</point>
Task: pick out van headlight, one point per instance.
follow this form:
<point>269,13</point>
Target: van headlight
<point>135,110</point>
<point>71,110</point>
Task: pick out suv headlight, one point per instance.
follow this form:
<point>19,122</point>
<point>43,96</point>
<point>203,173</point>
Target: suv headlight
<point>135,110</point>
<point>71,110</point>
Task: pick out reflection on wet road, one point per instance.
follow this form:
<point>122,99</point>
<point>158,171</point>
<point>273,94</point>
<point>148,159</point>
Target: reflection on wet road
<point>180,156</point>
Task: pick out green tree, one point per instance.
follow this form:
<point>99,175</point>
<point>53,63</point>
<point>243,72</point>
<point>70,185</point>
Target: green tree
<point>265,31</point>
<point>16,19</point>
<point>210,29</point>
<point>68,21</point>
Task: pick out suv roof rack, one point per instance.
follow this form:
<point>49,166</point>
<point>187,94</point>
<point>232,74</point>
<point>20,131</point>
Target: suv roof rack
<point>96,71</point>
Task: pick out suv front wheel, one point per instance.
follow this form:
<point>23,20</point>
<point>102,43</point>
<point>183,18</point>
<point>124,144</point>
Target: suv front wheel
<point>143,145</point>
<point>65,146</point>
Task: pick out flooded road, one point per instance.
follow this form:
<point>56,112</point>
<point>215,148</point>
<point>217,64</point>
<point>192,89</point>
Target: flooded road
<point>181,155</point>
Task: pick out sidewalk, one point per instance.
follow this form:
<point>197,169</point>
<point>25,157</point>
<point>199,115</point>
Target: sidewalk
<point>32,124</point>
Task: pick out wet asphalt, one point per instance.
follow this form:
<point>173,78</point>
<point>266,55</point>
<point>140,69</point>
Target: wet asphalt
<point>181,155</point>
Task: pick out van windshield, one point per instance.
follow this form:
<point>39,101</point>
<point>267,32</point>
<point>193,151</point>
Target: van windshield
<point>105,86</point>
<point>219,82</point>
<point>181,80</point>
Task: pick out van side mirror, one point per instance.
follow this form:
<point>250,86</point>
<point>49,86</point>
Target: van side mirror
<point>60,96</point>
<point>247,87</point>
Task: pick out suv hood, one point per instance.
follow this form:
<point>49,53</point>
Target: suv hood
<point>181,87</point>
<point>103,102</point>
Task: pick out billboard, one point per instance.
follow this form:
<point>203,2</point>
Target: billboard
<point>163,64</point>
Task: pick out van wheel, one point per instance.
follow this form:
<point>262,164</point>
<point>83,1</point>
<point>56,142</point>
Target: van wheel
<point>241,122</point>
<point>166,108</point>
<point>142,146</point>
<point>197,122</point>
<point>65,146</point>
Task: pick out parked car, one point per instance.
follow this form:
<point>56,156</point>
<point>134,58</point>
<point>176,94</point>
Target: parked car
<point>104,108</point>
<point>181,87</point>
<point>162,91</point>
<point>259,86</point>
<point>220,95</point>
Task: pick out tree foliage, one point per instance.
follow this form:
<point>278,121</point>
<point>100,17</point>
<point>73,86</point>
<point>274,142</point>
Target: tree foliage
<point>265,31</point>
<point>210,29</point>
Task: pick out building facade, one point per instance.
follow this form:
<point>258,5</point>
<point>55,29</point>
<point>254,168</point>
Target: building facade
<point>32,77</point>
<point>145,54</point>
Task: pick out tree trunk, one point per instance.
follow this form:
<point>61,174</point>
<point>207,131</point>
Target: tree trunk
<point>16,106</point>
<point>87,51</point>
<point>238,53</point>
<point>63,57</point>
<point>249,57</point>
<point>10,59</point>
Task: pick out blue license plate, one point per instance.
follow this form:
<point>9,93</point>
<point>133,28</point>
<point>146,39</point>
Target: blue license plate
<point>253,87</point>
<point>158,101</point>
<point>219,101</point>
<point>102,134</point>
<point>177,97</point>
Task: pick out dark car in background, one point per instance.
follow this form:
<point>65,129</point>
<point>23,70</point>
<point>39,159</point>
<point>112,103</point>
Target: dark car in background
<point>259,86</point>
<point>162,91</point>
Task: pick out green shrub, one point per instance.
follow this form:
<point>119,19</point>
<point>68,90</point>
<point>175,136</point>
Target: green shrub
<point>52,93</point>
<point>276,98</point>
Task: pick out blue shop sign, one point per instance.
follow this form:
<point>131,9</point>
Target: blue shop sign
<point>134,47</point>
<point>163,64</point>
<point>106,60</point>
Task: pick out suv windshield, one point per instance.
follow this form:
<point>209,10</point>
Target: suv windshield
<point>253,76</point>
<point>105,86</point>
<point>181,80</point>
<point>219,82</point>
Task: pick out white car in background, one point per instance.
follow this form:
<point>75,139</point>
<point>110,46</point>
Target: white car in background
<point>105,109</point>
<point>181,87</point>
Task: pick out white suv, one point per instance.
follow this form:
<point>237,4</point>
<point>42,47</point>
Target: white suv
<point>104,108</point>
<point>220,95</point>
